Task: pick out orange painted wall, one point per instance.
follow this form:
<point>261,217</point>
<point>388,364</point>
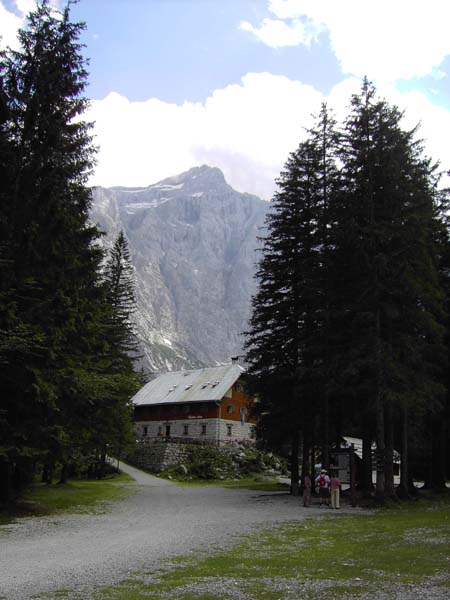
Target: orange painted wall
<point>238,399</point>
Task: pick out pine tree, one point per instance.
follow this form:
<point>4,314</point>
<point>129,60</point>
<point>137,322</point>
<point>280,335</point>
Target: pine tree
<point>114,421</point>
<point>286,344</point>
<point>438,417</point>
<point>350,314</point>
<point>120,285</point>
<point>393,301</point>
<point>49,253</point>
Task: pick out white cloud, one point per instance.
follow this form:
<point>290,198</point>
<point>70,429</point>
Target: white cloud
<point>433,121</point>
<point>25,6</point>
<point>249,128</point>
<point>246,129</point>
<point>10,22</point>
<point>385,40</point>
<point>277,33</point>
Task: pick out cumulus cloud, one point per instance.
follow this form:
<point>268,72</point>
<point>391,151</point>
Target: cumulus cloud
<point>246,129</point>
<point>9,24</point>
<point>11,21</point>
<point>25,6</point>
<point>386,40</point>
<point>277,33</point>
<point>433,122</point>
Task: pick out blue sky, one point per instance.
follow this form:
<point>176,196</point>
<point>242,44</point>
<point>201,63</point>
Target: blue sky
<point>183,50</point>
<point>177,83</point>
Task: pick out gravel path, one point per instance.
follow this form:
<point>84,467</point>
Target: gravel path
<point>159,519</point>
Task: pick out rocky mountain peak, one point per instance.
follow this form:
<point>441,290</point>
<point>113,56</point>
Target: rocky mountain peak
<point>192,241</point>
<point>203,175</point>
<point>202,179</point>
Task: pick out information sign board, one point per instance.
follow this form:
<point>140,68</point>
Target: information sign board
<point>340,461</point>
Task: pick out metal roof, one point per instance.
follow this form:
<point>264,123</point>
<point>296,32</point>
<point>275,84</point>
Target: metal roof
<point>358,446</point>
<point>199,385</point>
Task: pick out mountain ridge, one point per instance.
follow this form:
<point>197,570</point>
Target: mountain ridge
<point>192,242</point>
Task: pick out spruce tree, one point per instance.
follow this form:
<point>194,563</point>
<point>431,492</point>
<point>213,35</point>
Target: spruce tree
<point>393,307</point>
<point>54,307</point>
<point>438,418</point>
<point>120,350</point>
<point>120,286</point>
<point>350,314</point>
<point>286,343</point>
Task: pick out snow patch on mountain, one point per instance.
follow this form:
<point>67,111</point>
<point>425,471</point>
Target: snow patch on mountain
<point>167,186</point>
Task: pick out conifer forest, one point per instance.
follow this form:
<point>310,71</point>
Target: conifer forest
<point>66,342</point>
<point>349,328</point>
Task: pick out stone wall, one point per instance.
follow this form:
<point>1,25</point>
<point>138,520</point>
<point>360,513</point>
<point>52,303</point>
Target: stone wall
<point>202,429</point>
<point>195,460</point>
<point>207,430</point>
<point>159,455</point>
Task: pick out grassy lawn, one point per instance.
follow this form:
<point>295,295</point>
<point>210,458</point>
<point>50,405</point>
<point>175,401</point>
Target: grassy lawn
<point>252,482</point>
<point>351,555</point>
<point>247,482</point>
<point>75,497</point>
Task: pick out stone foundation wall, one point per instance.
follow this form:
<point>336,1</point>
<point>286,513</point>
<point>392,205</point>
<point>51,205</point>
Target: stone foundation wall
<point>205,430</point>
<point>158,456</point>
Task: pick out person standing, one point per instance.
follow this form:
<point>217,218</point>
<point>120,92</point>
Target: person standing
<point>322,481</point>
<point>306,490</point>
<point>335,486</point>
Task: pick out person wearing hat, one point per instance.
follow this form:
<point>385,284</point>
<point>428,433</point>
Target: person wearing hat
<point>322,481</point>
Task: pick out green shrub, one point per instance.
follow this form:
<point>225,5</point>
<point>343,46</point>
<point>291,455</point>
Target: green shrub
<point>230,462</point>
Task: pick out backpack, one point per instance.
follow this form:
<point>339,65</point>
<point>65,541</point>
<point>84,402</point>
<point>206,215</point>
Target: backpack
<point>322,481</point>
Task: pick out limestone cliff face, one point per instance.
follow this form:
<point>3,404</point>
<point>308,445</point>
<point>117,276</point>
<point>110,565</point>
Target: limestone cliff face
<point>193,243</point>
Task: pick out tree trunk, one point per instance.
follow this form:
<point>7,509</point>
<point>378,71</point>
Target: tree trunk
<point>63,476</point>
<point>366,475</point>
<point>338,433</point>
<point>379,415</point>
<point>102,466</point>
<point>389,453</point>
<point>403,488</point>
<point>438,454</point>
<point>306,452</point>
<point>325,433</point>
<point>5,481</point>
<point>295,447</point>
<point>313,442</point>
<point>47,473</point>
<point>380,483</point>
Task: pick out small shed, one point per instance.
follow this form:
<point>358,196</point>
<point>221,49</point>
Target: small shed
<point>357,443</point>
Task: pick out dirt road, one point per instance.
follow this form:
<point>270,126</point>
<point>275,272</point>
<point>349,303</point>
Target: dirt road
<point>159,519</point>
